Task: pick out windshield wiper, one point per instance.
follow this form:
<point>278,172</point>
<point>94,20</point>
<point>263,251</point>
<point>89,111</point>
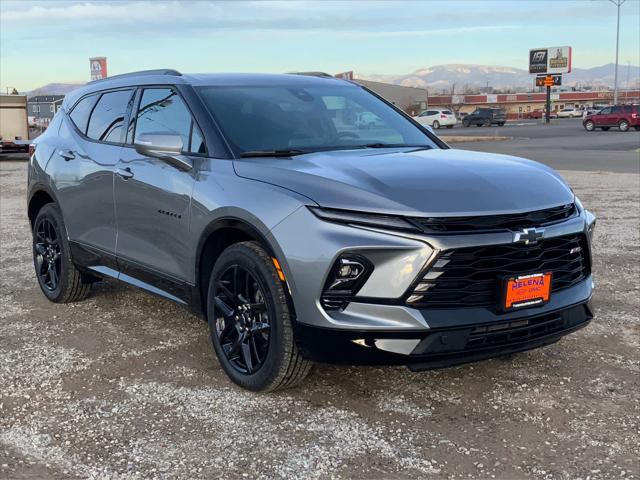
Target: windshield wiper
<point>271,153</point>
<point>392,145</point>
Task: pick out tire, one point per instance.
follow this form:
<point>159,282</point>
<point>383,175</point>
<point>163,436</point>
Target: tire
<point>623,125</point>
<point>252,337</point>
<point>435,125</point>
<point>637,127</point>
<point>486,123</point>
<point>501,124</point>
<point>465,123</point>
<point>589,126</point>
<point>58,277</point>
<point>605,129</point>
<point>449,126</point>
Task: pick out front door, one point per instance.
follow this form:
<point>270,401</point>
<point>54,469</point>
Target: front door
<point>602,118</point>
<point>153,198</point>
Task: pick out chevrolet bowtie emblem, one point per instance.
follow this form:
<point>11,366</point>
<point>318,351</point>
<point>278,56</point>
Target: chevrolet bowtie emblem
<point>528,236</point>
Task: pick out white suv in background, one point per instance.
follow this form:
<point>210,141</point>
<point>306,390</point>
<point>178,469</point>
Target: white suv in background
<point>437,117</point>
<point>570,112</point>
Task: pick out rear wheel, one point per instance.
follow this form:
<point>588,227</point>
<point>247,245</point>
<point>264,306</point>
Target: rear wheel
<point>436,124</point>
<point>58,277</point>
<point>623,125</point>
<point>250,322</point>
<point>589,126</point>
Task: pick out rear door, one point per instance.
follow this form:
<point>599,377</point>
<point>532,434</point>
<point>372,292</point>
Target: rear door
<point>153,198</point>
<point>90,140</point>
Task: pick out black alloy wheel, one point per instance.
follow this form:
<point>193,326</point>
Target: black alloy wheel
<point>251,320</point>
<point>242,323</point>
<point>48,255</point>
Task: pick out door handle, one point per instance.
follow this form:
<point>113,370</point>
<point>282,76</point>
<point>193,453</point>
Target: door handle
<point>125,173</point>
<point>67,154</point>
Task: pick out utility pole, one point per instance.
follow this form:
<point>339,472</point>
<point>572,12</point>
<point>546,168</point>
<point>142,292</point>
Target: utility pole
<point>618,4</point>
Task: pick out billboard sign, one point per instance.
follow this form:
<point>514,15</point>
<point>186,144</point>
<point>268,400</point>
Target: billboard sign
<point>550,60</point>
<point>98,67</point>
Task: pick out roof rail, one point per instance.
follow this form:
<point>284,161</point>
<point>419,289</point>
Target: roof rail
<point>313,74</point>
<point>159,71</point>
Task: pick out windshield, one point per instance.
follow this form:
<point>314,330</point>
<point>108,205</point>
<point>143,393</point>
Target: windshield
<point>305,119</point>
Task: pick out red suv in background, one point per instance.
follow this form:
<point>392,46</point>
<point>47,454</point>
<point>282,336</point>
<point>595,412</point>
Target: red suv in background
<point>621,116</point>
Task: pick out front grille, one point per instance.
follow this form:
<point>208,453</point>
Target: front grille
<point>515,221</point>
<point>472,277</point>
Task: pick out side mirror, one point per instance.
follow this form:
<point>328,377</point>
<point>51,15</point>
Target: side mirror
<point>164,146</point>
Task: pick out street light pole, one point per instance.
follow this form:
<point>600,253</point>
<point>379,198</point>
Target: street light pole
<point>617,3</point>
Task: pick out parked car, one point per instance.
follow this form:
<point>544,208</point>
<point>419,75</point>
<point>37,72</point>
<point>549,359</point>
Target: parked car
<point>621,116</point>
<point>538,113</point>
<point>485,117</point>
<point>255,201</point>
<point>570,112</point>
<point>437,117</point>
<point>368,120</point>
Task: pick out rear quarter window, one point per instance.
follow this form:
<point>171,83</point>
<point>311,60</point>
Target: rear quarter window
<point>107,119</point>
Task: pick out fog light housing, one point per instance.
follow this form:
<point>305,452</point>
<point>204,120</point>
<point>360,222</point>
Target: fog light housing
<point>346,277</point>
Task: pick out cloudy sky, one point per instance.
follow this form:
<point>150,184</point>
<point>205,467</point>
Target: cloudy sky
<point>51,41</point>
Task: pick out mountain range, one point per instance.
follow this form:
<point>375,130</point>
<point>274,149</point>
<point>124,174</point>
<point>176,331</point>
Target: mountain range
<point>465,78</point>
<point>468,77</point>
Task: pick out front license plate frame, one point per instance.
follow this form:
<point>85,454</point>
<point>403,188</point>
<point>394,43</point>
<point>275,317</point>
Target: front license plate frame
<point>525,291</point>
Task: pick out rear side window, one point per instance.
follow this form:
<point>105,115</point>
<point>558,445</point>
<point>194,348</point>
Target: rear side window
<point>162,110</point>
<point>447,112</point>
<point>107,120</point>
<point>80,113</point>
<point>616,109</point>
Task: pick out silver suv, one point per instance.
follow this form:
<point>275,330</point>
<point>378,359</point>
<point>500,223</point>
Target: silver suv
<point>264,204</point>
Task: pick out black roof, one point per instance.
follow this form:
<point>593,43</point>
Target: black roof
<point>45,98</point>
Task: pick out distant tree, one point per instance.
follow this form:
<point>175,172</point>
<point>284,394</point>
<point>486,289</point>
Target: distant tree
<point>14,92</point>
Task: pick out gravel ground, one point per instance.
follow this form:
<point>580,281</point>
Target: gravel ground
<point>125,385</point>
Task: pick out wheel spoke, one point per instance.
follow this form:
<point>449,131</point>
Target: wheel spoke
<point>230,296</point>
<point>41,249</point>
<point>260,327</point>
<point>53,275</point>
<point>227,311</point>
<point>246,356</point>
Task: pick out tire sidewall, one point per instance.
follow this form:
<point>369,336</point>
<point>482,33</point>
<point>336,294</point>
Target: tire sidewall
<point>278,313</point>
<point>51,213</point>
<point>589,126</point>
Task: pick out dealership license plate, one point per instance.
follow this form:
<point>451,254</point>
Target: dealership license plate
<point>527,290</point>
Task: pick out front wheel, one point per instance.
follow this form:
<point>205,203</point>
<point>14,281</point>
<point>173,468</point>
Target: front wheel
<point>589,126</point>
<point>623,125</point>
<point>58,277</point>
<point>250,322</point>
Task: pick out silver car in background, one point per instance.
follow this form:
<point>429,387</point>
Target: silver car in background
<point>265,204</point>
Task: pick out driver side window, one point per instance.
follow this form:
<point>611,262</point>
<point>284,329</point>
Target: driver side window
<point>162,110</point>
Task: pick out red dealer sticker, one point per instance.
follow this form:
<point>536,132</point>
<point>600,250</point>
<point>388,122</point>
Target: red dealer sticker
<point>527,290</point>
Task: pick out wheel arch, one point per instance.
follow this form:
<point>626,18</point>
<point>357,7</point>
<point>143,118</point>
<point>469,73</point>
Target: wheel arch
<point>215,238</point>
<point>39,196</point>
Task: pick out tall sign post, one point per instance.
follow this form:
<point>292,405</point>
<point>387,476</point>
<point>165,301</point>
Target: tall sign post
<point>549,64</point>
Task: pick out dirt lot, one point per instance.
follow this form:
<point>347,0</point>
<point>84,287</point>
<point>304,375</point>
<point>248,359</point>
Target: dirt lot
<point>125,385</point>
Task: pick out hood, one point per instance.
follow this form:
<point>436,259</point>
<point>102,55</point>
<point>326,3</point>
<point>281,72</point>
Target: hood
<point>426,182</point>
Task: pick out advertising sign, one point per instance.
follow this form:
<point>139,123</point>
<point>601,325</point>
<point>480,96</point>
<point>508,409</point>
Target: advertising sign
<point>98,67</point>
<point>543,80</point>
<point>550,60</point>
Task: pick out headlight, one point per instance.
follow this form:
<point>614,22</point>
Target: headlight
<point>387,222</point>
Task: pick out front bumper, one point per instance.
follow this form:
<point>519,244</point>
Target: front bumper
<point>443,346</point>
